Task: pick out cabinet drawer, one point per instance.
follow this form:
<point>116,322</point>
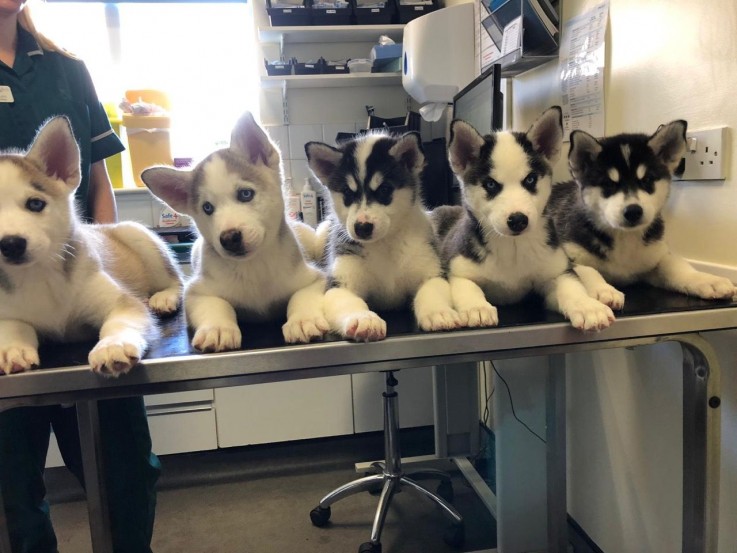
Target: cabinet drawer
<point>184,429</point>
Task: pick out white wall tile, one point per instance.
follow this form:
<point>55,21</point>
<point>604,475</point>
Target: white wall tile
<point>299,135</point>
<point>280,135</point>
<point>330,131</point>
<point>300,171</point>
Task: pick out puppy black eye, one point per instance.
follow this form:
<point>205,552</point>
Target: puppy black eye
<point>530,182</point>
<point>648,179</point>
<point>208,208</point>
<point>245,194</point>
<point>35,204</point>
<point>384,193</point>
<point>491,186</point>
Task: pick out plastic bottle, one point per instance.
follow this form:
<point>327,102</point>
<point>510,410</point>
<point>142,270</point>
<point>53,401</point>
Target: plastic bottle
<point>309,204</point>
<point>292,201</point>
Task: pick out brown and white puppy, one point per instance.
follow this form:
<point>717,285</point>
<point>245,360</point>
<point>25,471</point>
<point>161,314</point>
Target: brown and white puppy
<point>246,263</point>
<point>59,277</point>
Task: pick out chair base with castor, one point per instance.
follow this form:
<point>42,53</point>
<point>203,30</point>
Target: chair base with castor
<point>390,479</point>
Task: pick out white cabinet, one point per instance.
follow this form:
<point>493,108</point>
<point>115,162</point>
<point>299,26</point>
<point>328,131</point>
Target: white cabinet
<point>284,411</point>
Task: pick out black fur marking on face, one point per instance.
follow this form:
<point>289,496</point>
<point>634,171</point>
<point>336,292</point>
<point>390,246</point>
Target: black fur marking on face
<point>537,162</point>
<point>655,231</point>
<point>612,157</point>
<point>479,170</point>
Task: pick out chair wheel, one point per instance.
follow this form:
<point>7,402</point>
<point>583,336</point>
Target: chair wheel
<point>370,547</point>
<point>320,516</point>
<point>455,536</point>
<point>445,490</point>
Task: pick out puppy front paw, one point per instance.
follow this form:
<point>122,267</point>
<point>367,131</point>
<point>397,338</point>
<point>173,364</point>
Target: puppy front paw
<point>16,358</point>
<point>165,302</point>
<point>608,295</point>
<point>479,316</point>
<point>710,287</point>
<point>364,326</point>
<point>304,329</point>
<point>441,319</point>
<point>115,355</point>
<point>589,314</point>
<point>212,338</point>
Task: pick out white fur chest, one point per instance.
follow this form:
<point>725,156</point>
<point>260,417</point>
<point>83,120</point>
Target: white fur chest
<point>514,267</point>
<point>626,262</point>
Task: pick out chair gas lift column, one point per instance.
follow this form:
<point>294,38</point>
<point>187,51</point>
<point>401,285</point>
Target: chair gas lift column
<point>389,478</point>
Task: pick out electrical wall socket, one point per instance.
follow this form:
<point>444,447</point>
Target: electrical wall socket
<point>705,155</point>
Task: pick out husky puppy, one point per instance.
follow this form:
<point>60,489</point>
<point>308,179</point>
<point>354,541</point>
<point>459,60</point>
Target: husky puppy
<point>500,245</point>
<point>60,278</point>
<point>380,250</point>
<point>609,218</point>
<point>246,263</point>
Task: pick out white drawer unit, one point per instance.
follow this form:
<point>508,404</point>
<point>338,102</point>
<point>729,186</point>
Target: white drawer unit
<point>283,411</point>
<point>182,422</point>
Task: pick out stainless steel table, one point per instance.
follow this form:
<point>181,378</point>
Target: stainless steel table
<point>526,330</point>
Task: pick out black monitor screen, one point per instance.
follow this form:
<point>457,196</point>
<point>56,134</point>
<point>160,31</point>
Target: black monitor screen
<point>481,102</point>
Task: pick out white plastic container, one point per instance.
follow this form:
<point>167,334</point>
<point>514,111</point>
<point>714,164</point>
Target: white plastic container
<point>359,65</point>
<point>292,201</point>
<point>308,199</point>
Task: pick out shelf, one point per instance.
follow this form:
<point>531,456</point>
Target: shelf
<point>330,33</point>
<point>340,81</point>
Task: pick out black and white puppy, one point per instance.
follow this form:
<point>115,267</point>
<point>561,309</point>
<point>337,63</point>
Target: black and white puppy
<point>500,245</point>
<point>380,251</point>
<point>609,218</point>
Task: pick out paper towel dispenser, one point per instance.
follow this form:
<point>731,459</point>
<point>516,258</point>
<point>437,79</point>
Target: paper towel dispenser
<point>438,55</point>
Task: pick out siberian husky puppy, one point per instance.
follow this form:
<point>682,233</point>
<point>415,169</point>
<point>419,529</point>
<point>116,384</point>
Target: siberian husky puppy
<point>500,245</point>
<point>246,263</point>
<point>380,252</point>
<point>609,218</point>
<point>60,278</point>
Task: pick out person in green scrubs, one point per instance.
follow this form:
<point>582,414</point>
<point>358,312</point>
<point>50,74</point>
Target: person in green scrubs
<point>39,80</point>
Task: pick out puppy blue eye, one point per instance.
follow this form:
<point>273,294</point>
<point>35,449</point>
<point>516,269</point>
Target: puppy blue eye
<point>492,186</point>
<point>208,208</point>
<point>245,194</point>
<point>530,179</point>
<point>35,204</point>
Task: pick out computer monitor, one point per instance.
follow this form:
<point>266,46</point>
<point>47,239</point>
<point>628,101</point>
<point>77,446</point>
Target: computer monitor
<point>481,103</point>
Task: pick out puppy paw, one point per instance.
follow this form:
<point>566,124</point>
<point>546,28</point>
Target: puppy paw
<point>442,319</point>
<point>209,339</point>
<point>710,287</point>
<point>114,355</point>
<point>364,326</point>
<point>590,314</point>
<point>164,302</point>
<point>478,316</point>
<point>300,329</point>
<point>16,358</point>
<point>608,295</point>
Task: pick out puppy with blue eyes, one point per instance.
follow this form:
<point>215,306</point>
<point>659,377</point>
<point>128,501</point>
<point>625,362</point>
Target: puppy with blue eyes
<point>378,245</point>
<point>501,245</point>
<point>246,263</point>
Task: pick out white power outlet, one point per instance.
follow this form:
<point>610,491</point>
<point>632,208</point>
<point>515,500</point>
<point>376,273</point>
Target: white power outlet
<point>705,155</point>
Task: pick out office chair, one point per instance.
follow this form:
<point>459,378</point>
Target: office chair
<point>391,479</point>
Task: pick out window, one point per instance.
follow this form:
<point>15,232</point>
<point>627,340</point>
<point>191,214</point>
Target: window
<point>201,54</point>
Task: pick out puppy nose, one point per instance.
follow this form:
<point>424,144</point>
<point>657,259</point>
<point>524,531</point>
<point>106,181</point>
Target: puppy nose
<point>633,213</point>
<point>364,230</point>
<point>13,247</point>
<point>232,241</point>
<point>517,222</point>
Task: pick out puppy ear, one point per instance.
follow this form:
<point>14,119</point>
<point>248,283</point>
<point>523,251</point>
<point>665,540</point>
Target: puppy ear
<point>322,159</point>
<point>56,153</point>
<point>546,134</point>
<point>408,152</point>
<point>464,146</point>
<point>669,143</point>
<point>173,186</point>
<point>584,150</point>
<point>250,140</point>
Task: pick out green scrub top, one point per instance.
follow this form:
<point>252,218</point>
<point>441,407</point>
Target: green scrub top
<point>43,84</point>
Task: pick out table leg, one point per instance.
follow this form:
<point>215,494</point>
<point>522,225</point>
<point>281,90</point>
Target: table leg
<point>701,443</point>
<point>92,460</point>
<point>555,444</point>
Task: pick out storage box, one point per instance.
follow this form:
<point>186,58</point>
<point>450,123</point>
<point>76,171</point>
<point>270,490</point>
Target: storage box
<point>288,15</point>
<point>307,68</point>
<point>275,68</point>
<point>331,12</point>
<point>334,67</point>
<point>149,143</point>
<point>375,14</point>
<point>386,58</point>
<point>408,12</point>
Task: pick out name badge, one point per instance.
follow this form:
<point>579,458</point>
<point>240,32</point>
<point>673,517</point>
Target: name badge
<point>6,95</point>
